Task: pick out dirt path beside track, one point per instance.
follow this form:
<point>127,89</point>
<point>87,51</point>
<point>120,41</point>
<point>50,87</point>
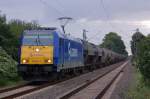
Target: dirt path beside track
<point>126,81</point>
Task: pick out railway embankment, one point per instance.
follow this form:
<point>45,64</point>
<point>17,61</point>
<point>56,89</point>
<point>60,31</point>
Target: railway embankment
<point>138,90</point>
<point>141,59</point>
<point>131,85</point>
<point>125,83</point>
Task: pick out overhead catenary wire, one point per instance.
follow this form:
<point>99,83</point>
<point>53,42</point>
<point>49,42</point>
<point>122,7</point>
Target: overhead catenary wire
<point>60,4</point>
<point>49,5</point>
<point>107,18</point>
<point>107,15</point>
<point>94,36</point>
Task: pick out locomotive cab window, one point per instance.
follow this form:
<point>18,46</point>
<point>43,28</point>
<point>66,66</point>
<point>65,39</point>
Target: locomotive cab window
<point>37,38</point>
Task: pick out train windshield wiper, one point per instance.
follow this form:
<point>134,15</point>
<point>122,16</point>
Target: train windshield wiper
<point>39,40</point>
<point>36,40</point>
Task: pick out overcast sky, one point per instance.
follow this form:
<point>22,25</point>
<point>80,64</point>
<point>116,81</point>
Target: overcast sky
<point>97,16</point>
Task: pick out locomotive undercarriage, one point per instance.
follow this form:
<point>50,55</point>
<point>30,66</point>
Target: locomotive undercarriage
<point>46,72</point>
<point>32,72</point>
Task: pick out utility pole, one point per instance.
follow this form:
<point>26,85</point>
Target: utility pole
<point>137,30</point>
<point>84,34</point>
<point>63,22</point>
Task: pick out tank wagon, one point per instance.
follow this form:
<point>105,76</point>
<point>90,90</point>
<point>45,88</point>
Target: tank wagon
<point>46,52</point>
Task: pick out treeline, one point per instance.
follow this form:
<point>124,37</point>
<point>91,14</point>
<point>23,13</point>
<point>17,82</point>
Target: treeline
<point>114,42</point>
<point>10,32</point>
<point>140,47</point>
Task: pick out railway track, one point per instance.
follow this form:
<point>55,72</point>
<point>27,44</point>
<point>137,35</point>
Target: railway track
<point>12,88</point>
<point>95,89</point>
<point>24,90</point>
<point>61,89</point>
<point>10,93</point>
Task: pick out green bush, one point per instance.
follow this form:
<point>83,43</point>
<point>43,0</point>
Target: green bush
<point>143,58</point>
<point>138,90</point>
<point>8,68</point>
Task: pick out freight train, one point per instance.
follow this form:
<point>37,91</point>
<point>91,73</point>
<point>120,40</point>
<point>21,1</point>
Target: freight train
<point>47,52</point>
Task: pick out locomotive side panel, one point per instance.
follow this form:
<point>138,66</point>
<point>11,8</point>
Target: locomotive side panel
<point>73,54</point>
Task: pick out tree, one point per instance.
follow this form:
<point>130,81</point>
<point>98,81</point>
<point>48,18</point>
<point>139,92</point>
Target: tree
<point>140,46</point>
<point>6,37</point>
<point>137,37</point>
<point>114,42</point>
<point>4,28</point>
<point>143,57</point>
<point>18,26</point>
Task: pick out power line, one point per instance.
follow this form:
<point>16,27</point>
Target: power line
<point>94,36</point>
<point>48,5</point>
<point>106,13</point>
<point>59,3</point>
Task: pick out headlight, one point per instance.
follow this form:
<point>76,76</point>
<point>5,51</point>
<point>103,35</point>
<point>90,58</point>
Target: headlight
<point>24,61</point>
<point>37,50</point>
<point>49,61</point>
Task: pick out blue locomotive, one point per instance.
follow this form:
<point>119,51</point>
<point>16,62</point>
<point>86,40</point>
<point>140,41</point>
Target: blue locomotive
<point>46,52</point>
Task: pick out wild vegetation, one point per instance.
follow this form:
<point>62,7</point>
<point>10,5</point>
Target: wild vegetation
<point>8,70</point>
<point>114,42</point>
<point>143,58</point>
<point>138,90</point>
<point>140,46</point>
<point>10,32</point>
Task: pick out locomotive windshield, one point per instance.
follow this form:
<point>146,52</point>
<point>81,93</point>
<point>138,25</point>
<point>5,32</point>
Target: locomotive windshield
<point>37,38</point>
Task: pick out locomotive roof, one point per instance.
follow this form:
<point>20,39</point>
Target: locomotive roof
<point>37,30</point>
<point>67,36</point>
<point>55,30</point>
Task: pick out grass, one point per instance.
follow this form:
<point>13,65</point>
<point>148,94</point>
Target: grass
<point>9,82</point>
<point>140,89</point>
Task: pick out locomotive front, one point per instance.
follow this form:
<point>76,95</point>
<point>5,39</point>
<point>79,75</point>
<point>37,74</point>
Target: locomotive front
<point>36,53</point>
